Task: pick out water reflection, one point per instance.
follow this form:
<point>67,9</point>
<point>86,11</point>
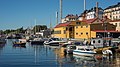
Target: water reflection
<point>1,47</point>
<point>37,50</point>
<point>51,56</point>
<point>19,46</point>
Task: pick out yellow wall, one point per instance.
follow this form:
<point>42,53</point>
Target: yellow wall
<point>83,30</point>
<point>93,34</point>
<point>62,35</point>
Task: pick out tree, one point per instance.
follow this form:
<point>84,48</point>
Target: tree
<point>38,28</point>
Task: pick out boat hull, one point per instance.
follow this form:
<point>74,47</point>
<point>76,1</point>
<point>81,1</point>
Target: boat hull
<point>52,43</point>
<point>84,53</point>
<point>37,42</point>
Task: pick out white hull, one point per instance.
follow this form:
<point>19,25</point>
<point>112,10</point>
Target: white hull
<point>84,53</point>
<point>52,43</point>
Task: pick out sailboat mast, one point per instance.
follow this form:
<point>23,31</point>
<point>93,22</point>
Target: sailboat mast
<point>35,26</point>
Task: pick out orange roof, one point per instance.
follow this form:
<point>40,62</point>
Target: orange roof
<point>90,20</point>
<point>94,19</point>
<point>62,24</point>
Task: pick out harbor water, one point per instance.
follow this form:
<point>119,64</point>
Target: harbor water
<point>50,56</point>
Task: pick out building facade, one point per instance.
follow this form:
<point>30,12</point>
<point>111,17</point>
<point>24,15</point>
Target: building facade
<point>92,13</point>
<point>117,24</point>
<point>113,12</point>
<point>85,29</point>
<point>70,17</point>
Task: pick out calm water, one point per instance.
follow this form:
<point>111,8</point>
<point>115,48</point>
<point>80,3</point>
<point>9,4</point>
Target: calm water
<point>46,56</point>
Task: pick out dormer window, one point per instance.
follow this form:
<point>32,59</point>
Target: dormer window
<point>78,23</point>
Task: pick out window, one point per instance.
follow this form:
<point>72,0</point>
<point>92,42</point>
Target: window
<point>64,31</point>
<point>81,26</point>
<point>87,26</point>
<point>116,17</point>
<point>76,27</point>
<point>57,32</point>
<point>81,33</point>
<point>113,17</point>
<point>116,24</point>
<point>76,33</point>
<point>78,23</point>
<point>93,41</point>
<point>98,41</point>
<point>86,33</point>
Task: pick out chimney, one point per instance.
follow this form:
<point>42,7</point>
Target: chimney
<point>84,5</point>
<point>97,9</point>
<point>60,11</point>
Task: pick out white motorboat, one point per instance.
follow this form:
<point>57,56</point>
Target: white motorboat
<point>37,41</point>
<point>70,49</point>
<point>54,42</point>
<point>84,50</point>
<point>107,52</point>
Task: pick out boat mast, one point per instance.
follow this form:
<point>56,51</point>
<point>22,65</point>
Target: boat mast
<point>35,26</point>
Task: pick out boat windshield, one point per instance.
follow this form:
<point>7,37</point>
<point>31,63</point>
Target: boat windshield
<point>56,39</point>
<point>88,49</point>
<point>72,47</point>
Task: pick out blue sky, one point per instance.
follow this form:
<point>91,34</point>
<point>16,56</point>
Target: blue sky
<point>17,13</point>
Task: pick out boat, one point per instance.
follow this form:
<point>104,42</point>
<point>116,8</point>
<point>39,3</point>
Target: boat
<point>37,41</point>
<point>84,50</point>
<point>67,43</point>
<point>107,52</point>
<point>69,49</point>
<point>2,41</point>
<point>54,42</point>
<point>19,43</point>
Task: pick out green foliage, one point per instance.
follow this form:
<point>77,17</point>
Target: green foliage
<point>38,28</point>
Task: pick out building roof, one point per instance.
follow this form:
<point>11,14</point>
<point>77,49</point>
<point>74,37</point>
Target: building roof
<point>90,20</point>
<point>62,24</point>
<point>115,21</point>
<point>71,16</point>
<point>113,6</point>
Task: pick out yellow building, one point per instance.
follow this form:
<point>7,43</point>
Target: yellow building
<point>82,29</point>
